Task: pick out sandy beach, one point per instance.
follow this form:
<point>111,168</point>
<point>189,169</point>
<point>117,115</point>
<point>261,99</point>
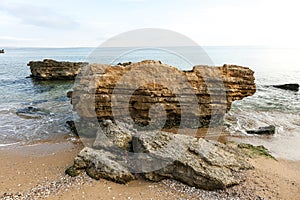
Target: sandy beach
<point>37,171</point>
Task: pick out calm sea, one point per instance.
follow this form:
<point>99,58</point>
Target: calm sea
<point>268,106</point>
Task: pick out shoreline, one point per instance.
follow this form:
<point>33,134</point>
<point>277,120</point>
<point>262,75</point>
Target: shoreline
<point>39,169</point>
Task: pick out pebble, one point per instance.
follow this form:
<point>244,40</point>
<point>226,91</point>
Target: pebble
<point>171,189</point>
<point>47,188</point>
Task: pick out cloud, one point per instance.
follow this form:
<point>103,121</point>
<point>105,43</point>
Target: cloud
<point>132,0</point>
<point>39,16</point>
<point>8,38</point>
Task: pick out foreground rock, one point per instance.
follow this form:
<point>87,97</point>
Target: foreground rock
<point>268,130</point>
<point>291,87</point>
<point>196,162</point>
<point>53,70</point>
<point>112,135</point>
<point>103,164</point>
<point>161,155</point>
<point>189,98</point>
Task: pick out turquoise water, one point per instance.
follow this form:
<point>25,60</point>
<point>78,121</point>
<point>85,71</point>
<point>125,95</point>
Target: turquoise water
<point>268,106</point>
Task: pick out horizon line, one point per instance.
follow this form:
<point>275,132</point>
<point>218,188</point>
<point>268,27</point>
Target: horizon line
<point>78,47</point>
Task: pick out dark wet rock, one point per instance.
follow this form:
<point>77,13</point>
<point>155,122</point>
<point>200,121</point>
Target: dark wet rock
<point>125,64</point>
<point>291,87</point>
<point>72,126</point>
<point>69,94</point>
<point>71,171</point>
<point>31,113</point>
<point>268,130</point>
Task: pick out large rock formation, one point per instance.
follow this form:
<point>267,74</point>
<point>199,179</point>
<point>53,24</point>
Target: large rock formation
<point>160,155</point>
<point>190,98</point>
<point>53,70</point>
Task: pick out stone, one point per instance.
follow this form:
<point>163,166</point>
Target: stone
<point>102,164</point>
<point>292,87</point>
<point>71,171</point>
<point>54,70</point>
<point>268,130</point>
<point>32,113</point>
<point>161,155</point>
<point>69,94</point>
<point>110,134</point>
<point>193,161</point>
<point>209,95</point>
<point>72,127</point>
<point>125,64</point>
<point>255,150</point>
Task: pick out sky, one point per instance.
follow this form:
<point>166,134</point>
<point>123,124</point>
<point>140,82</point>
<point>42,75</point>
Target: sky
<point>77,23</point>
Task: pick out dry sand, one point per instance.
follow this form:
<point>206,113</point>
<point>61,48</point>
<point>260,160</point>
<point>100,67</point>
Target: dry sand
<point>33,172</point>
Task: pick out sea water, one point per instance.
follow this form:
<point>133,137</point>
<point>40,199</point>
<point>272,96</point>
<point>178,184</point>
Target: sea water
<point>268,106</point>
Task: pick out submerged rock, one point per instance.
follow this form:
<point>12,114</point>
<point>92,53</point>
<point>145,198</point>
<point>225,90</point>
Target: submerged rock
<point>32,113</point>
<point>268,130</point>
<point>72,127</point>
<point>291,87</point>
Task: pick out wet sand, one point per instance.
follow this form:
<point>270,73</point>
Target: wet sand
<point>22,167</point>
<point>38,171</point>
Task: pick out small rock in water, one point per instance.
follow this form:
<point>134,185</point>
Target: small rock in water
<point>292,87</point>
<point>72,126</point>
<point>69,94</point>
<point>268,130</point>
<point>31,113</point>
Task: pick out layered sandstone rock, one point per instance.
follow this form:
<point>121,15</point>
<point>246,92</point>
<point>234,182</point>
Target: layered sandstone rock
<point>53,70</point>
<point>150,92</point>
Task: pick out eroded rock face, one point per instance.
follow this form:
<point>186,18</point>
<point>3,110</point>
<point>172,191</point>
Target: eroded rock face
<point>131,91</point>
<point>159,155</point>
<point>196,162</point>
<point>53,70</point>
